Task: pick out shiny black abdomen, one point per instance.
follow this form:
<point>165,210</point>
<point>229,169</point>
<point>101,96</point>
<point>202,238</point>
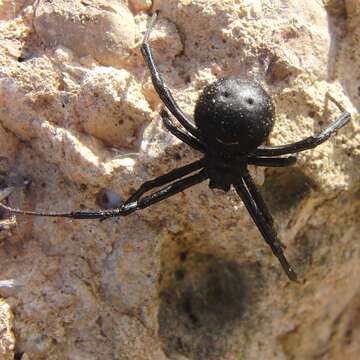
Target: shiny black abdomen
<point>234,116</point>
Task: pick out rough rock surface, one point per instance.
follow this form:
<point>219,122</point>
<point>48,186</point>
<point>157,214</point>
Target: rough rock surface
<point>191,277</point>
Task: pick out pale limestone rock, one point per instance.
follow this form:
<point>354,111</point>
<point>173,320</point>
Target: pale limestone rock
<point>7,339</point>
<point>118,108</point>
<point>190,278</point>
<point>140,5</point>
<point>9,9</point>
<point>103,29</point>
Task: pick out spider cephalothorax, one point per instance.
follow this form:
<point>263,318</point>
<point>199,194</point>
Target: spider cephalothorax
<point>233,118</point>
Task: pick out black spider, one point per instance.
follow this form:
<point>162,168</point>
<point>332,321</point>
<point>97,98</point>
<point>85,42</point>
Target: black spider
<point>233,118</point>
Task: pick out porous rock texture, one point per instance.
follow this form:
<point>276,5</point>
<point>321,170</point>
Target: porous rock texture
<point>189,278</point>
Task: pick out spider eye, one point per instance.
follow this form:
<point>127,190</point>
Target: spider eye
<point>226,94</point>
<point>250,101</point>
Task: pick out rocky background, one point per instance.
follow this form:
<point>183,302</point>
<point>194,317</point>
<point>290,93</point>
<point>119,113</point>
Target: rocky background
<point>189,278</point>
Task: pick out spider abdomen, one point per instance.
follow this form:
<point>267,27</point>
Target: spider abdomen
<point>234,116</point>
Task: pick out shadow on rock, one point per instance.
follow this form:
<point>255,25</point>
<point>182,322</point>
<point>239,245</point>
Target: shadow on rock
<point>204,302</point>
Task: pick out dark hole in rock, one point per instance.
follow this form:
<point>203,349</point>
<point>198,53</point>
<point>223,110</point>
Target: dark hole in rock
<point>83,187</point>
<point>277,71</point>
<point>183,255</point>
<point>2,215</point>
<point>18,355</point>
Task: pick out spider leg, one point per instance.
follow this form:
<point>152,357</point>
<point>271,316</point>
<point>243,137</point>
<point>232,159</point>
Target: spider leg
<point>258,199</point>
<point>128,207</point>
<point>307,143</point>
<point>164,179</point>
<point>76,214</point>
<point>273,162</point>
<point>181,134</point>
<point>164,193</point>
<point>254,207</point>
<point>163,92</point>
